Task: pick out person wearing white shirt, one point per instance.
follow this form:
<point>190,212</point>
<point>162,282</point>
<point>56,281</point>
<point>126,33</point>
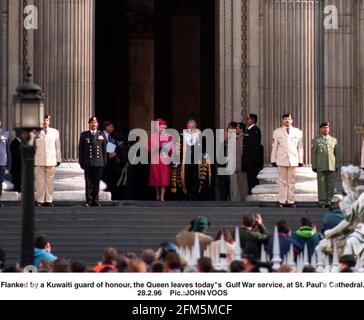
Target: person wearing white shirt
<point>287,155</point>
<point>47,158</point>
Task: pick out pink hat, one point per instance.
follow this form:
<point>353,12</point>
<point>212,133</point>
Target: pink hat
<point>161,122</point>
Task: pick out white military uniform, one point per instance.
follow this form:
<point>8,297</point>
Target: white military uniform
<point>287,153</point>
<point>47,155</point>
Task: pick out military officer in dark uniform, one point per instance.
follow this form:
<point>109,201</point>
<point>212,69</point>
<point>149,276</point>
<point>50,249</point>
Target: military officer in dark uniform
<point>93,157</point>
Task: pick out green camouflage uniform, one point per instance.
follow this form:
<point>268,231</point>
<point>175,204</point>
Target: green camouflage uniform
<point>325,159</point>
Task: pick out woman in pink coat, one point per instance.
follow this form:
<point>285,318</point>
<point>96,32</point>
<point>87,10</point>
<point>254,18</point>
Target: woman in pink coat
<point>160,148</point>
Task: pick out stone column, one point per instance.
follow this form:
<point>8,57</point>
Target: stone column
<point>292,37</point>
<point>64,66</point>
<point>11,57</point>
<point>359,101</point>
<point>253,56</point>
<point>229,39</point>
<point>340,83</point>
<point>236,59</point>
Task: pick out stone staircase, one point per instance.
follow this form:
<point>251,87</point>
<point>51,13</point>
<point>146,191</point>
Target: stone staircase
<point>82,233</point>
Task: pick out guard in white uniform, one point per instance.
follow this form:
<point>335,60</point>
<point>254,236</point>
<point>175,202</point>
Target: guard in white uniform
<point>287,155</point>
<point>47,158</point>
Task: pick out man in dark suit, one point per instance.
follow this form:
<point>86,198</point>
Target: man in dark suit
<point>16,165</point>
<point>93,158</point>
<point>108,174</point>
<point>252,152</point>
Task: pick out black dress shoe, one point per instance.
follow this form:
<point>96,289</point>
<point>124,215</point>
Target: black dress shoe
<point>49,204</point>
<point>87,204</point>
<point>282,205</point>
<point>95,204</point>
<point>291,205</point>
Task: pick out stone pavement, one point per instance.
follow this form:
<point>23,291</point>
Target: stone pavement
<point>82,233</point>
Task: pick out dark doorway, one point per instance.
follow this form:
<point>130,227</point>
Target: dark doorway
<point>111,71</point>
<point>155,58</point>
<point>185,61</point>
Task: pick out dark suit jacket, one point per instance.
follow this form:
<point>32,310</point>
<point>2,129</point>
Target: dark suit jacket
<point>92,150</point>
<point>16,164</point>
<point>252,148</point>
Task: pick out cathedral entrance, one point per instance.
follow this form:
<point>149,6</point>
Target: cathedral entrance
<point>155,58</point>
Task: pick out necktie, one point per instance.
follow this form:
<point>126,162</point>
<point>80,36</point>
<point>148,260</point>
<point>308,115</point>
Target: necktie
<point>288,131</point>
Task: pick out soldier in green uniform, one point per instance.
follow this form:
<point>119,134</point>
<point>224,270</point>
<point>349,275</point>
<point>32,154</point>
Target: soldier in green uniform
<point>325,162</point>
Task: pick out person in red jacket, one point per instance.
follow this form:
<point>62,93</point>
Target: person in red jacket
<point>160,148</point>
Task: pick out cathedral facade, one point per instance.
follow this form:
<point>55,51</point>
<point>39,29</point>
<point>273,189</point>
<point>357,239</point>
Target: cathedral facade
<point>132,61</point>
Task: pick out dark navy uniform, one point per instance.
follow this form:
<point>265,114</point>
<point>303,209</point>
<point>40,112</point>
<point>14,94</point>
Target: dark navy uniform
<point>93,158</point>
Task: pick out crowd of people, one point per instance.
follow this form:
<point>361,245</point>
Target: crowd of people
<point>253,235</point>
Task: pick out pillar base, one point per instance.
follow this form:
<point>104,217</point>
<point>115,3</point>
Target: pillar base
<point>267,191</point>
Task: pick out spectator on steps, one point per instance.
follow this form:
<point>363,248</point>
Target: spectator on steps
<point>158,267</point>
<point>43,252</point>
<point>307,235</point>
<point>335,217</point>
<point>309,269</point>
<point>205,265</point>
<point>122,264</point>
<point>229,241</point>
<point>285,241</point>
<point>164,249</point>
<point>285,269</point>
<point>46,267</point>
<point>62,266</point>
<point>137,266</point>
<point>251,260</point>
<point>173,263</point>
<point>78,267</point>
<point>348,264</point>
<point>253,230</point>
<point>250,257</point>
<point>199,226</point>
<point>149,257</point>
<point>237,267</point>
<point>108,261</point>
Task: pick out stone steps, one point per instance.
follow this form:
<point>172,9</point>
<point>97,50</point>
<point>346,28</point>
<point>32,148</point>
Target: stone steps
<point>82,233</point>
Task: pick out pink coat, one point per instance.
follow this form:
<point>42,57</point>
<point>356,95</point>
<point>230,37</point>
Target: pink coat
<point>160,174</point>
